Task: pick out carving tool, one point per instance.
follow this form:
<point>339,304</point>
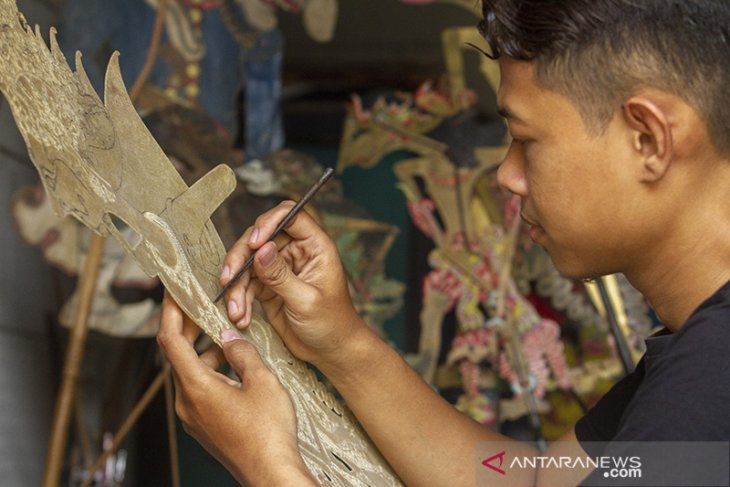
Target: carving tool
<point>292,213</point>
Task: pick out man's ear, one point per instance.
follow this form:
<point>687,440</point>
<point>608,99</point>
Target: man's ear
<point>652,136</point>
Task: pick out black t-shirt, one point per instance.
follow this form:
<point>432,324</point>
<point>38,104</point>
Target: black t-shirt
<point>680,390</point>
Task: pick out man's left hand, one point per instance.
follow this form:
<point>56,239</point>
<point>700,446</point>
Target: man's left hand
<point>248,426</point>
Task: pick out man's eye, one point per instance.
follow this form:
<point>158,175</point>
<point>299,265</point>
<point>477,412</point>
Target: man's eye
<point>517,140</point>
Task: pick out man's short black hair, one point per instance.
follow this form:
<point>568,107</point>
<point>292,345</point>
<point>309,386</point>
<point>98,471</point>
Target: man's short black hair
<point>599,52</point>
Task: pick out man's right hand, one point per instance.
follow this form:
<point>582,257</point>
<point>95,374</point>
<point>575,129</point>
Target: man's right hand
<point>300,282</point>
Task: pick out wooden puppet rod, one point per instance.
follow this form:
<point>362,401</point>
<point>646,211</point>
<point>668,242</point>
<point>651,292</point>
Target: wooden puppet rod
<point>74,356</point>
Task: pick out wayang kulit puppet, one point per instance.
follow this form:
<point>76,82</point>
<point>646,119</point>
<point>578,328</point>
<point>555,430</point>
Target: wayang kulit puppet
<point>190,107</point>
<point>99,163</point>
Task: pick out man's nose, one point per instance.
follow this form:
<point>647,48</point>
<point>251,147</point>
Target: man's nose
<point>511,173</point>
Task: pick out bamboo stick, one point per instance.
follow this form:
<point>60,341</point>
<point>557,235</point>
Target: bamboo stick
<point>74,357</point>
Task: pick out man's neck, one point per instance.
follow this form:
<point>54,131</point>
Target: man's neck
<point>675,295</point>
<point>686,269</point>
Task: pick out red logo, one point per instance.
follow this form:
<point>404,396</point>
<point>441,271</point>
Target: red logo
<point>500,455</point>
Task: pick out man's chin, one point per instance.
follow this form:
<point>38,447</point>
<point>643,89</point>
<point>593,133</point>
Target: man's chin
<point>574,269</point>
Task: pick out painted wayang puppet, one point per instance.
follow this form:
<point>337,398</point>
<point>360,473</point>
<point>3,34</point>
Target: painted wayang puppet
<point>621,159</point>
<point>504,360</point>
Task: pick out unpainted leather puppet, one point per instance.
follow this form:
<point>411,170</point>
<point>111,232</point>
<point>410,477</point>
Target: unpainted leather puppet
<point>99,163</point>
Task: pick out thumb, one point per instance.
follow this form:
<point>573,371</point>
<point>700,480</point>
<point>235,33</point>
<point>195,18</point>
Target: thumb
<point>240,354</point>
<point>272,270</point>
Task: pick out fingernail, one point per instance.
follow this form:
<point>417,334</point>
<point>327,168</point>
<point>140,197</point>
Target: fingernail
<point>226,273</point>
<point>241,323</point>
<point>269,254</point>
<point>229,335</point>
<point>254,236</point>
<point>232,307</point>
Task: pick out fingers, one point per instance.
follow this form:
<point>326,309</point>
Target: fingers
<point>238,299</point>
<point>175,339</point>
<point>248,305</point>
<point>252,291</point>
<point>213,357</point>
<point>235,297</point>
<point>241,355</point>
<point>273,271</point>
<point>266,224</point>
<point>190,330</point>
<point>301,227</point>
<point>236,304</point>
<point>235,257</point>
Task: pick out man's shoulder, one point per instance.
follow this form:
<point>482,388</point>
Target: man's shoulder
<point>714,311</point>
<point>685,391</point>
<point>706,332</point>
<point>680,389</point>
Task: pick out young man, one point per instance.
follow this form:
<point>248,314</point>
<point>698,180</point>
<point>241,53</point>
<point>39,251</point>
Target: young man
<point>620,114</point>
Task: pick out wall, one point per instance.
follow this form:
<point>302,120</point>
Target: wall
<point>26,375</point>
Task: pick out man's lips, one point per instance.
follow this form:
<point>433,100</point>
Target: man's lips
<point>528,221</point>
<point>535,231</point>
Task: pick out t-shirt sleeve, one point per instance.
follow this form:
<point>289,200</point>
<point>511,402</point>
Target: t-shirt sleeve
<point>601,422</point>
